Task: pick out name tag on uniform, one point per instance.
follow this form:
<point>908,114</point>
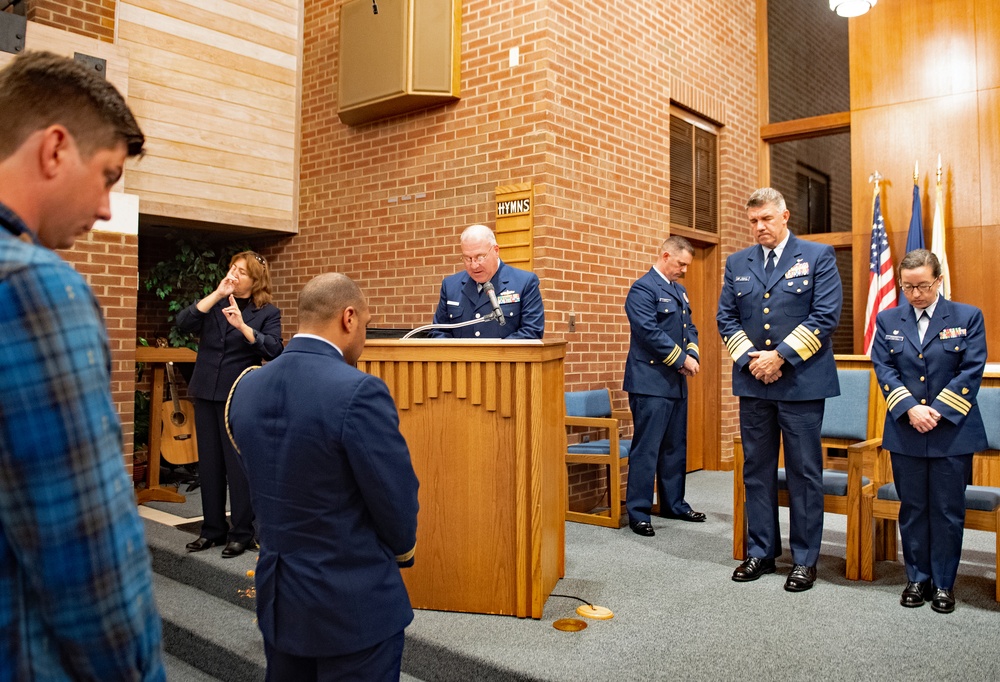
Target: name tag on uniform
<point>666,300</point>
<point>893,337</point>
<point>455,303</point>
<point>742,279</point>
<point>953,333</point>
<point>508,296</point>
<point>800,269</point>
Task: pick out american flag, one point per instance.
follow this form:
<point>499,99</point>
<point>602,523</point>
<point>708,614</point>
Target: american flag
<point>881,287</point>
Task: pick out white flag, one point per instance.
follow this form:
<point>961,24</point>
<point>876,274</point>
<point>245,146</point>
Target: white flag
<point>937,241</point>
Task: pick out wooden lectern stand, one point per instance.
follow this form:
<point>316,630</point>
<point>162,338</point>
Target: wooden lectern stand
<point>484,424</point>
<point>157,359</point>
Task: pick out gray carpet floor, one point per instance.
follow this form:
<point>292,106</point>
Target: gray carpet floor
<point>679,616</point>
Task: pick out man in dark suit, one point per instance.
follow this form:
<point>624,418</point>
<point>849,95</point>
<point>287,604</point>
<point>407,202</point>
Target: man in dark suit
<point>463,298</point>
<point>663,352</point>
<point>335,496</point>
<point>779,306</point>
<point>929,358</point>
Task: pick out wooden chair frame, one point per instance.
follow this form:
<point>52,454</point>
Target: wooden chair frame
<point>612,518</point>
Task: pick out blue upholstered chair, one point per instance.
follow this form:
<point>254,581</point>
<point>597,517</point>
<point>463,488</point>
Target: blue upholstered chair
<point>848,423</point>
<point>982,503</point>
<point>592,410</point>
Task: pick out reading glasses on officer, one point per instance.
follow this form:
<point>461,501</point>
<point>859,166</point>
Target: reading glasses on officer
<point>478,260</point>
<point>924,287</point>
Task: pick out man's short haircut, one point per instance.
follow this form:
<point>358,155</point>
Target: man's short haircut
<point>675,244</point>
<point>326,296</point>
<point>918,258</point>
<point>41,89</point>
<point>765,196</point>
<point>479,233</point>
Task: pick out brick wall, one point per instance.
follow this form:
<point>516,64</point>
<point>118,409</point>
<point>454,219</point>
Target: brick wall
<point>584,117</point>
<point>91,18</point>
<point>109,263</point>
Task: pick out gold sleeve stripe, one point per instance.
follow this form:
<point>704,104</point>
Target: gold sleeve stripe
<point>803,342</point>
<point>953,399</point>
<point>693,347</point>
<point>406,556</point>
<point>898,394</point>
<point>674,354</point>
<point>738,344</point>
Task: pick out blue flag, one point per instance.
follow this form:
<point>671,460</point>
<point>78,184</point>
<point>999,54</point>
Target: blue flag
<point>915,237</point>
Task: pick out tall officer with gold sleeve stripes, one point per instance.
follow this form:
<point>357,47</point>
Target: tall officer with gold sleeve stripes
<point>663,352</point>
<point>780,305</point>
<point>929,358</point>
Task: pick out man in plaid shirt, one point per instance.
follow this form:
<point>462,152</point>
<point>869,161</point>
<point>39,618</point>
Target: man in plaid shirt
<point>76,597</point>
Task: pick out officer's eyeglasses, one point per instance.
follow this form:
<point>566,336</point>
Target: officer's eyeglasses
<point>924,287</point>
<point>478,260</point>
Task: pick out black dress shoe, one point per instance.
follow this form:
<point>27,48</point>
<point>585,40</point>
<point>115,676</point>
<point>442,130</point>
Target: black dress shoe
<point>237,548</point>
<point>200,544</point>
<point>915,594</point>
<point>753,568</point>
<point>943,601</point>
<point>689,515</point>
<point>801,578</point>
<point>644,528</point>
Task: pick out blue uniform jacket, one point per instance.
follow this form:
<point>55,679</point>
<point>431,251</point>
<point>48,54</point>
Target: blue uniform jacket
<point>223,351</point>
<point>335,497</point>
<point>662,336</point>
<point>944,372</point>
<point>795,312</point>
<point>519,298</point>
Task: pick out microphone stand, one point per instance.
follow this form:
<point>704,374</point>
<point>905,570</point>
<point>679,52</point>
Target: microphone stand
<point>454,325</point>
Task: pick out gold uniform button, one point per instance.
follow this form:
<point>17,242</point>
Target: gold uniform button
<point>767,326</point>
<point>798,291</point>
<point>768,342</point>
<point>685,326</point>
<point>956,347</point>
<point>923,401</point>
<point>767,295</point>
<point>805,282</point>
<point>921,378</point>
<point>652,362</point>
<point>767,310</point>
<point>920,355</point>
<point>790,283</point>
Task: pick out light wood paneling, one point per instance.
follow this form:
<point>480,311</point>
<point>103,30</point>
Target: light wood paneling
<point>987,40</point>
<point>216,92</point>
<point>989,126</point>
<point>910,50</point>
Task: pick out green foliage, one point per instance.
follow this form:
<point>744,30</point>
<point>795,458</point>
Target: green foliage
<point>189,275</point>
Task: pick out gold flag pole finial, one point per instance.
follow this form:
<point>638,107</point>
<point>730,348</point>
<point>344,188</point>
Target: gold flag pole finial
<point>939,169</point>
<point>875,177</point>
<point>916,171</point>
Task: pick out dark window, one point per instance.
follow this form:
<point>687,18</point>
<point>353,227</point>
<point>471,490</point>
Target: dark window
<point>694,176</point>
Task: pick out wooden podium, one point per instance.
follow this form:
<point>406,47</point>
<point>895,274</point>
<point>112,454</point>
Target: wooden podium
<point>484,423</point>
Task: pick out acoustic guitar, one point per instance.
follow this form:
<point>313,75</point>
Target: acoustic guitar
<point>178,445</point>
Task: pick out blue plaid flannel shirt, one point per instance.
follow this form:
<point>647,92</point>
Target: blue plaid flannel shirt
<point>76,596</point>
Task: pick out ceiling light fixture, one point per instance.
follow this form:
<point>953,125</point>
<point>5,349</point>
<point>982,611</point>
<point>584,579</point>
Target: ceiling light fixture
<point>851,8</point>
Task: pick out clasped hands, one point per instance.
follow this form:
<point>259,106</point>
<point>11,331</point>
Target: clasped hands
<point>766,365</point>
<point>923,418</point>
<point>690,367</point>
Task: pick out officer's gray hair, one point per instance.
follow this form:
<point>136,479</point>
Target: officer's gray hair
<point>765,196</point>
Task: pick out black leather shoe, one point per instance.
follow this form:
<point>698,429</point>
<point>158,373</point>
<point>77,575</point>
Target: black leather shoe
<point>753,568</point>
<point>689,515</point>
<point>943,601</point>
<point>915,594</point>
<point>644,528</point>
<point>200,544</point>
<point>801,578</point>
<point>237,548</point>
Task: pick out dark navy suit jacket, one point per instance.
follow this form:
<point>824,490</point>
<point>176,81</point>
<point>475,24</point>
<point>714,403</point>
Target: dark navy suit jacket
<point>223,351</point>
<point>944,372</point>
<point>662,336</point>
<point>335,496</point>
<point>519,298</point>
<point>794,311</point>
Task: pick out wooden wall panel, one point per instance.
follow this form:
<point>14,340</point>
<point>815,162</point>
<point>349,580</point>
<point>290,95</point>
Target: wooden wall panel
<point>990,301</point>
<point>216,92</point>
<point>987,40</point>
<point>989,162</point>
<point>913,50</point>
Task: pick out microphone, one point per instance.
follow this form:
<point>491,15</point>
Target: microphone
<point>488,288</point>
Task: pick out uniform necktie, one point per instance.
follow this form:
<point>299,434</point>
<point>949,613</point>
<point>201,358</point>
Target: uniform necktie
<point>769,266</point>
<point>923,321</point>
